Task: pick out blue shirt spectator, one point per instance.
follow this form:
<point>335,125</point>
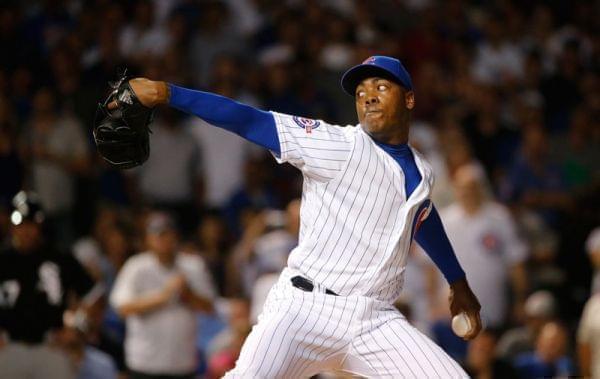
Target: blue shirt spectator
<point>534,181</point>
<point>549,359</point>
<point>531,365</point>
<point>97,365</point>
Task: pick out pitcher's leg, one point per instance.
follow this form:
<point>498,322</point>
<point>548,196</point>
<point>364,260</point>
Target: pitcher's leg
<point>291,339</point>
<point>259,355</point>
<point>392,348</point>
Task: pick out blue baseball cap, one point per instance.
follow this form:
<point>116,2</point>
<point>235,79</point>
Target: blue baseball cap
<point>380,66</point>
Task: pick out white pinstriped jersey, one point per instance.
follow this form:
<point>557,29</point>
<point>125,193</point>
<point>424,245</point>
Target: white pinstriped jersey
<point>356,222</point>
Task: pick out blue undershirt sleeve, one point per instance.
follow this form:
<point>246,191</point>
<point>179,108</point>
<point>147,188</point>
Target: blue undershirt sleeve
<point>433,239</point>
<point>250,123</point>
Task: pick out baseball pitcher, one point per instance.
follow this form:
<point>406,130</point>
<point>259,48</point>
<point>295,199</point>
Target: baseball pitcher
<point>365,200</point>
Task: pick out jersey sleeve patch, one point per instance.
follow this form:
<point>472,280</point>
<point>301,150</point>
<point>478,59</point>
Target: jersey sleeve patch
<point>307,124</point>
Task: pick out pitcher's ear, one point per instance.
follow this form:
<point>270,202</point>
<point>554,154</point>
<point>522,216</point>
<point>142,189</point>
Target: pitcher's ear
<point>409,99</point>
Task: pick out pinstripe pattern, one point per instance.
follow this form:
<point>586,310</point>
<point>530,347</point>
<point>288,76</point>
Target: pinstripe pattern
<point>302,333</point>
<point>356,228</point>
<point>347,244</point>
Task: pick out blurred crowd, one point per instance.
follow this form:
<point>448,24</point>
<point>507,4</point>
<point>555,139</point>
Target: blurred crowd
<point>508,110</point>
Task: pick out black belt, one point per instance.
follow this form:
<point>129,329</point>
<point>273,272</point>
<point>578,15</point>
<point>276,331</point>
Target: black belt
<point>307,285</point>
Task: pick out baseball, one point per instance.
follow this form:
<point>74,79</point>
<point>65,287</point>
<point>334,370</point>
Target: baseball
<point>461,325</point>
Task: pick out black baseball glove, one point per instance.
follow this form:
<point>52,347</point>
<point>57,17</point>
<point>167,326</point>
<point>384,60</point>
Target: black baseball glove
<point>122,133</point>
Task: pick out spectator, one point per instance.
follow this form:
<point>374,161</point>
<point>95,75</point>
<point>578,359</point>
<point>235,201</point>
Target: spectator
<point>57,151</point>
<point>263,248</point>
<point>142,39</point>
<point>102,59</point>
<point>115,247</point>
<point>158,292</point>
<point>225,347</point>
<point>215,36</point>
<point>281,94</point>
<point>443,157</point>
<point>223,154</point>
<point>162,9</point>
<point>588,339</point>
<point>104,252</point>
<point>337,53</point>
<point>246,16</point>
<point>89,362</point>
<point>77,100</point>
<point>170,179</point>
<point>534,181</point>
<point>542,268</point>
<point>102,336</point>
<point>549,358</point>
<point>255,193</point>
<point>486,243</point>
<point>37,285</point>
<point>270,253</point>
<point>497,60</point>
<point>489,135</point>
<point>211,241</point>
<point>482,361</point>
<point>540,308</point>
<point>577,150</point>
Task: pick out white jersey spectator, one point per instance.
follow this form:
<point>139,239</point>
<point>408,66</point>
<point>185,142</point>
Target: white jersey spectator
<point>497,59</point>
<point>52,180</point>
<point>162,10</point>
<point>425,139</point>
<point>142,37</point>
<point>484,237</point>
<point>222,163</point>
<point>216,35</point>
<point>169,176</point>
<point>493,63</point>
<point>57,146</point>
<point>246,16</point>
<point>158,293</point>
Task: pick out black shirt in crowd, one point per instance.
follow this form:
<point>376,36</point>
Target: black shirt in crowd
<point>34,291</point>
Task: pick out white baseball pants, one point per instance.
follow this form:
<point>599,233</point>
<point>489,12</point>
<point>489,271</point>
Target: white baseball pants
<point>300,334</point>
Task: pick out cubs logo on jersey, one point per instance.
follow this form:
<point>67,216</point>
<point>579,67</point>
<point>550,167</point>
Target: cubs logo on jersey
<point>422,215</point>
<point>307,124</point>
<point>491,243</point>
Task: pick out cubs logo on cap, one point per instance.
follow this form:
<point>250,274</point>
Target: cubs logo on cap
<point>376,66</point>
<point>369,60</point>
